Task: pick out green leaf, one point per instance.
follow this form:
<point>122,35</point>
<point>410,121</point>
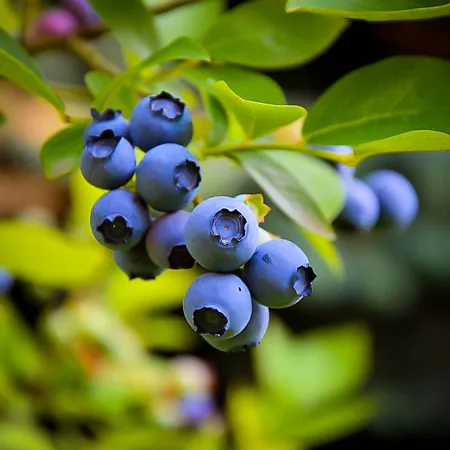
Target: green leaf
<point>19,437</point>
<point>246,83</point>
<point>166,292</point>
<point>49,257</point>
<point>10,18</point>
<point>261,34</point>
<point>188,20</point>
<point>218,119</point>
<point>315,369</point>
<point>336,423</point>
<point>394,96</point>
<point>125,99</point>
<point>20,354</point>
<point>17,66</point>
<point>132,23</point>
<point>413,141</point>
<point>61,153</point>
<point>256,119</point>
<point>183,48</point>
<point>374,10</point>
<point>307,190</point>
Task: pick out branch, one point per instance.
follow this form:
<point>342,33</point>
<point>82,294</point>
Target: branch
<point>41,44</point>
<point>222,150</point>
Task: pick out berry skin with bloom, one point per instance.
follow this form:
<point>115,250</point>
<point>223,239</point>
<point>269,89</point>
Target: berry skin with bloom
<point>222,233</point>
<point>398,199</point>
<point>108,162</point>
<point>160,119</point>
<point>168,177</point>
<point>218,304</point>
<point>278,274</point>
<point>251,335</point>
<point>136,263</point>
<point>108,120</point>
<point>362,208</point>
<point>165,241</point>
<point>56,22</point>
<point>119,219</point>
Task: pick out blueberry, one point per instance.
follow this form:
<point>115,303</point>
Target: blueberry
<point>278,274</point>
<point>136,263</point>
<point>361,209</point>
<point>218,304</point>
<point>160,119</point>
<point>108,161</point>
<point>119,219</point>
<point>6,281</point>
<point>221,234</point>
<point>56,22</point>
<point>399,203</point>
<point>168,177</point>
<point>108,120</point>
<point>165,241</point>
<point>249,337</point>
<point>83,11</point>
<point>196,408</point>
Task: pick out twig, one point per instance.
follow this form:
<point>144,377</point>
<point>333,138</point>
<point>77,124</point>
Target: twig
<point>91,56</point>
<point>41,44</point>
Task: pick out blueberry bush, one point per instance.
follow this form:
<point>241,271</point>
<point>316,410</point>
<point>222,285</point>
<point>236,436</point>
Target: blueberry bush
<point>188,85</point>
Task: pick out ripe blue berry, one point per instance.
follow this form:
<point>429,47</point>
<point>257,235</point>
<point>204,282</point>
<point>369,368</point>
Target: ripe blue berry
<point>278,274</point>
<point>196,407</point>
<point>108,120</point>
<point>108,161</point>
<point>83,11</point>
<point>361,208</point>
<point>218,304</point>
<point>119,219</point>
<point>6,281</point>
<point>165,241</point>
<point>136,263</point>
<point>221,234</point>
<point>168,177</point>
<point>249,337</point>
<point>399,203</point>
<point>159,119</point>
<point>56,22</point>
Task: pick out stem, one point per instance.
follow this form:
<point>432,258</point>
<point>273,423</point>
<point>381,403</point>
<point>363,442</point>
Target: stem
<point>29,13</point>
<point>172,72</point>
<point>348,160</point>
<point>41,44</point>
<point>197,200</point>
<point>91,56</point>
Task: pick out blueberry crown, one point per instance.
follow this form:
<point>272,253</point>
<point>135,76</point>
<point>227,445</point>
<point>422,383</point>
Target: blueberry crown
<point>109,114</point>
<point>167,106</point>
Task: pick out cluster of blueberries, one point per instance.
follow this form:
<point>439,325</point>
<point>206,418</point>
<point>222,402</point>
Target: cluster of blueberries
<point>66,20</point>
<point>384,198</point>
<point>245,272</point>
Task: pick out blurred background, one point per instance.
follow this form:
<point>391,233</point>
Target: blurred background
<point>91,360</point>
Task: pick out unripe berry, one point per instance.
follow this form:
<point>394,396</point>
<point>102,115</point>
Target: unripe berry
<point>56,22</point>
